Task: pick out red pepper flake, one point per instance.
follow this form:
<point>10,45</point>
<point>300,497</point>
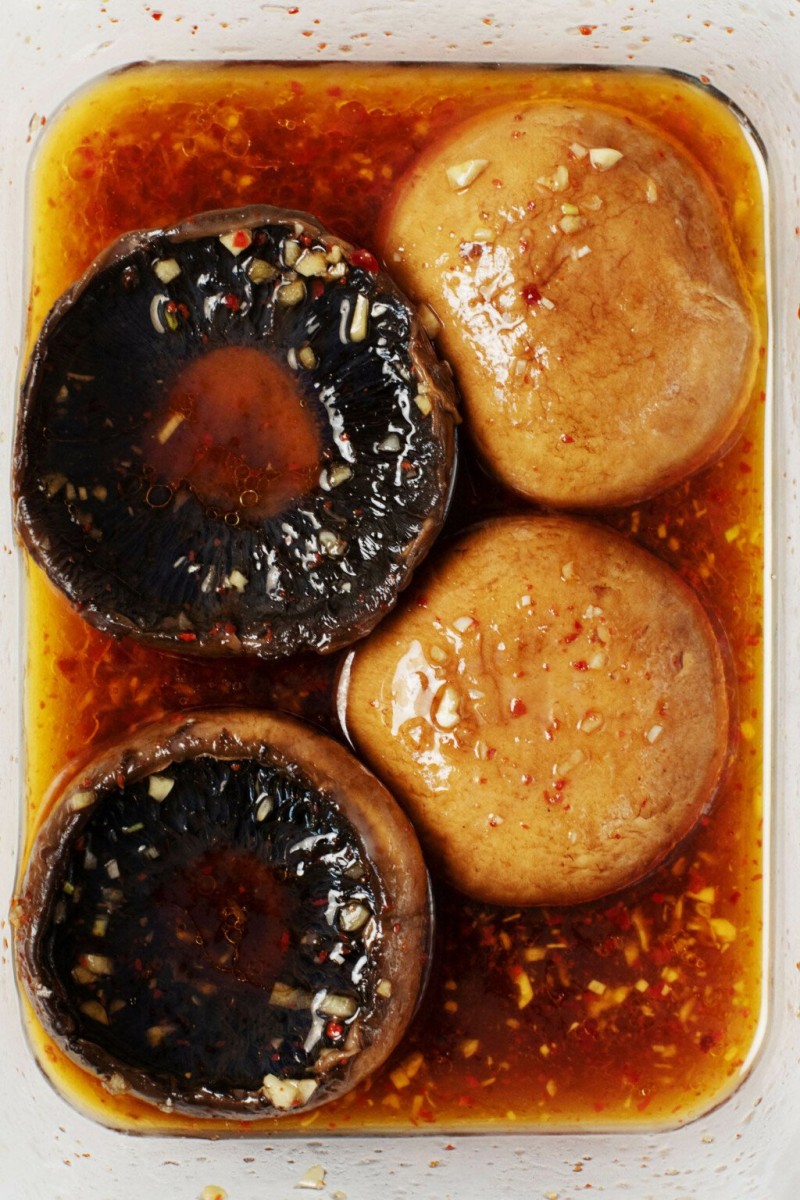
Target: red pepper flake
<point>232,302</point>
<point>363,258</point>
<point>156,16</point>
<point>531,294</point>
<point>619,916</point>
<point>518,707</point>
<point>608,946</point>
<point>187,637</point>
<point>334,1030</point>
<point>580,665</point>
<point>586,30</point>
<point>567,439</point>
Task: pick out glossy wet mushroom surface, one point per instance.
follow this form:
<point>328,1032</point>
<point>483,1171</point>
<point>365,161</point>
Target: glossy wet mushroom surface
<point>592,301</point>
<point>552,708</point>
<point>234,436</point>
<point>226,916</point>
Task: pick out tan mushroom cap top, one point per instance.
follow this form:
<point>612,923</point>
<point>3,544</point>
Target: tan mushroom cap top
<point>591,299</point>
<point>550,705</point>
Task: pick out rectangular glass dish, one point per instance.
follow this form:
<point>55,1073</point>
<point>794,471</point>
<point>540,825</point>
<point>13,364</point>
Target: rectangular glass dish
<point>757,1049</point>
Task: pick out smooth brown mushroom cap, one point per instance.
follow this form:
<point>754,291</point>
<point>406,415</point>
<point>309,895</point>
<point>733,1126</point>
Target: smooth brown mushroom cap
<point>590,295</point>
<point>550,706</point>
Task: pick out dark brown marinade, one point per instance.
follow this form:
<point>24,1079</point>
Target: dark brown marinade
<point>644,1008</point>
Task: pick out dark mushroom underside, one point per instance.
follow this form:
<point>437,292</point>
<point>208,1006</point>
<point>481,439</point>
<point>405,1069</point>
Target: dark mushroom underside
<point>154,479</point>
<point>215,935</point>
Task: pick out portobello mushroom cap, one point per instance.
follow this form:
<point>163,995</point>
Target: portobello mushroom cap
<point>234,436</point>
<point>226,915</point>
<point>554,712</point>
<point>593,303</point>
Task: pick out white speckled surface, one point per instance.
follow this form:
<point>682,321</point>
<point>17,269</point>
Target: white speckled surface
<point>746,1150</point>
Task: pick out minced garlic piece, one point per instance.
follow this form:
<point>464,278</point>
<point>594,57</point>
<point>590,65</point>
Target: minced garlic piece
<point>169,426</point>
<point>723,930</point>
<point>447,714</point>
<point>287,1093</point>
<point>236,580</point>
<point>310,263</point>
<point>603,157</point>
<point>212,1192</point>
<point>314,1179</point>
<point>260,271</point>
<point>571,224</point>
<point>423,402</point>
<point>360,322</point>
<point>81,799</point>
<point>524,988</point>
<point>236,241</point>
<point>159,787</point>
<point>167,269</point>
<point>462,174</point>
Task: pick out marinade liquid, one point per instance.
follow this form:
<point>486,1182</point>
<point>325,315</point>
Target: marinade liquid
<point>641,1008</point>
